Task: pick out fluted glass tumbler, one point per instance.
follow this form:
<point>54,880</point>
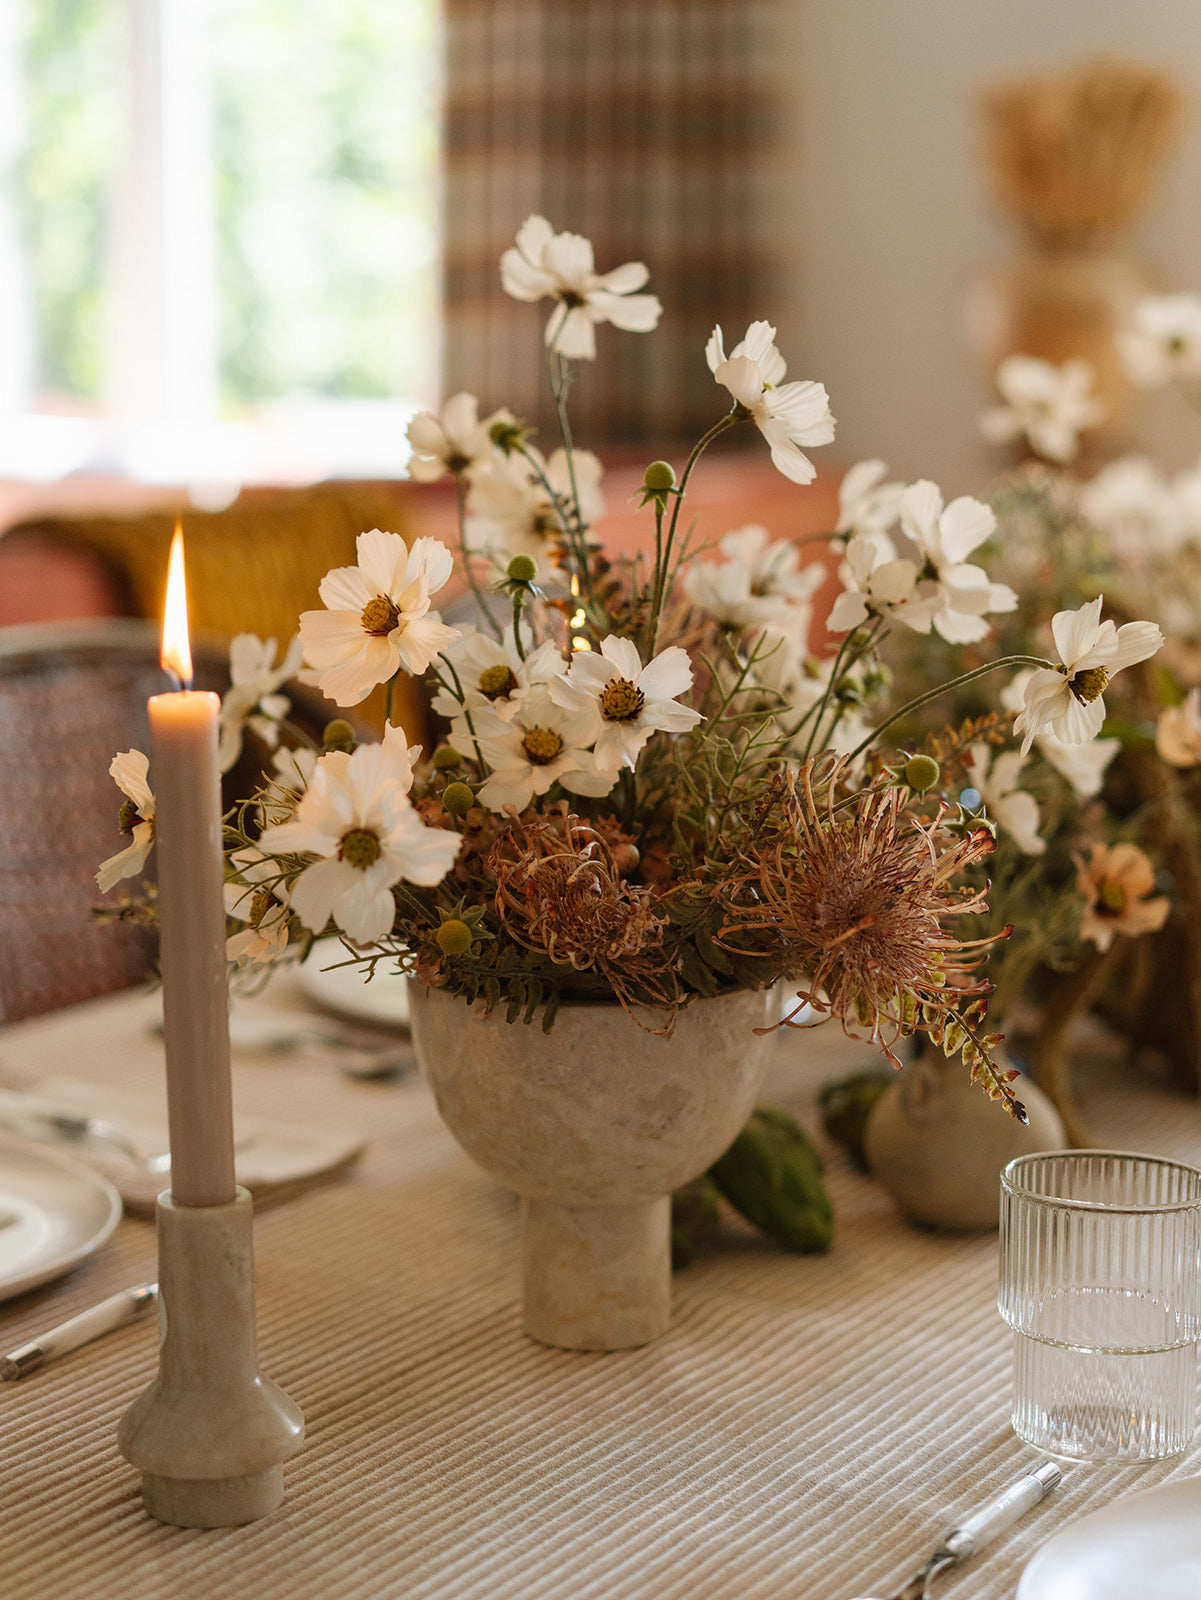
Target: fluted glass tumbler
<point>1101,1284</point>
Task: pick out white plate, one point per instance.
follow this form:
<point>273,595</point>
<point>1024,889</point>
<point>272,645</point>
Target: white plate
<point>383,1001</point>
<point>63,1211</point>
<point>1144,1547</point>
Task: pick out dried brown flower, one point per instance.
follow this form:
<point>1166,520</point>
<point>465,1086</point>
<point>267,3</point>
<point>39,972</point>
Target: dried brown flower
<point>857,896</point>
<point>559,891</point>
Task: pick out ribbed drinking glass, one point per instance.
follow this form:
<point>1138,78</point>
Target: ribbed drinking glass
<point>1101,1284</point>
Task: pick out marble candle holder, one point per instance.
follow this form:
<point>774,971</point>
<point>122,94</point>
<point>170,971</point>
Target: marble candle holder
<point>210,1435</point>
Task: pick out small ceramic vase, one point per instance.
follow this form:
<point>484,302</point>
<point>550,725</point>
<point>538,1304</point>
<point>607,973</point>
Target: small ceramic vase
<point>1060,304</point>
<point>938,1143</point>
<point>595,1124</point>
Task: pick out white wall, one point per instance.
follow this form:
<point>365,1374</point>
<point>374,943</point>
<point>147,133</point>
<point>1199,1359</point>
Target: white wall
<point>886,213</point>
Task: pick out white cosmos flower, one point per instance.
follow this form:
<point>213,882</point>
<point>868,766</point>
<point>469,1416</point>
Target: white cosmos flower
<point>258,898</point>
<point>1164,340</point>
<point>356,819</point>
<point>251,699</point>
<point>543,744</point>
<point>1178,733</point>
<point>995,777</point>
<point>561,264</point>
<point>129,771</point>
<point>511,512</point>
<point>788,415</point>
<point>1131,504</point>
<point>493,677</point>
<point>294,768</point>
<point>761,582</point>
<point>1067,699</point>
<point>624,701</point>
<point>868,507</point>
<point>378,618</point>
<point>1051,405</point>
<point>876,584</point>
<point>963,594</point>
<point>454,441</point>
<point>1083,765</point>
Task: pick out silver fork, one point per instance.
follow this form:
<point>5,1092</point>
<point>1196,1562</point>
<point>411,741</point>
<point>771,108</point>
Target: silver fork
<point>34,1119</point>
<point>963,1541</point>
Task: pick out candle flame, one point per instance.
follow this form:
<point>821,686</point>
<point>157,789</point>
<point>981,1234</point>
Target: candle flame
<point>177,652</point>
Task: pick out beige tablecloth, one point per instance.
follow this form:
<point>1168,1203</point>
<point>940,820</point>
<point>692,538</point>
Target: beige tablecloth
<point>806,1428</point>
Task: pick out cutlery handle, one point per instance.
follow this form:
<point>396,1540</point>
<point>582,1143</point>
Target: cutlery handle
<point>1013,1502</point>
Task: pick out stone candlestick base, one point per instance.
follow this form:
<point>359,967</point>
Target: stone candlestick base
<point>211,1434</point>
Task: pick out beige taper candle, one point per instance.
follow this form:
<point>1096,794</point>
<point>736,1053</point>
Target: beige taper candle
<point>191,915</point>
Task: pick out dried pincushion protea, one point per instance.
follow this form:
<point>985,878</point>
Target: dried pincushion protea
<point>857,897</point>
<point>559,891</point>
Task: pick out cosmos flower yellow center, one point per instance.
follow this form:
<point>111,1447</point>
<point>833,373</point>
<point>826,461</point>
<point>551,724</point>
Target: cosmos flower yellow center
<point>620,700</point>
<point>380,616</point>
<point>359,848</point>
<point>1089,685</point>
<point>260,904</point>
<point>1111,897</point>
<point>541,745</point>
<point>497,681</point>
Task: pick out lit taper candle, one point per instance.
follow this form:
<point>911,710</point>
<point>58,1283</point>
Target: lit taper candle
<point>191,915</point>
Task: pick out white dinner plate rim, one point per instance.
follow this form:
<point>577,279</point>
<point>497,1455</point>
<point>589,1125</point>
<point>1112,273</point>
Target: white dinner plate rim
<point>343,991</point>
<point>84,1178</point>
<point>1109,1536</point>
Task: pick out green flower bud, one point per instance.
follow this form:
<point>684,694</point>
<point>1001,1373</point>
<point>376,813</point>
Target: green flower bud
<point>921,773</point>
<point>523,569</point>
<point>659,477</point>
<point>446,756</point>
<point>773,1175</point>
<point>458,799</point>
<point>338,735</point>
<point>454,938</point>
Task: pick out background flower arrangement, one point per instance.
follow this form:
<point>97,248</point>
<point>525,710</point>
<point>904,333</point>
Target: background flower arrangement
<point>650,790</point>
<point>1097,865</point>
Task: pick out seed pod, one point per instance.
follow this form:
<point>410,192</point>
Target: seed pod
<point>458,799</point>
<point>454,937</point>
<point>523,569</point>
<point>921,772</point>
<point>338,735</point>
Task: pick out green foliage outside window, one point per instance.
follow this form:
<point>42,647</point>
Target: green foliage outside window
<point>70,56</point>
<point>324,170</point>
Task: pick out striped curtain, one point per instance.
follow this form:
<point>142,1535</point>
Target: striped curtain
<point>651,126</point>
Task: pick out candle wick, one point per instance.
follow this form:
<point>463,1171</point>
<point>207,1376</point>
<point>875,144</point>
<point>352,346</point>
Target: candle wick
<point>177,683</point>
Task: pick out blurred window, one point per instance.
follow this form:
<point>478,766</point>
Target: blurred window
<point>218,234</point>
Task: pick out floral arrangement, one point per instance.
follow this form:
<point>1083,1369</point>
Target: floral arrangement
<point>649,789</point>
<point>1098,843</point>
